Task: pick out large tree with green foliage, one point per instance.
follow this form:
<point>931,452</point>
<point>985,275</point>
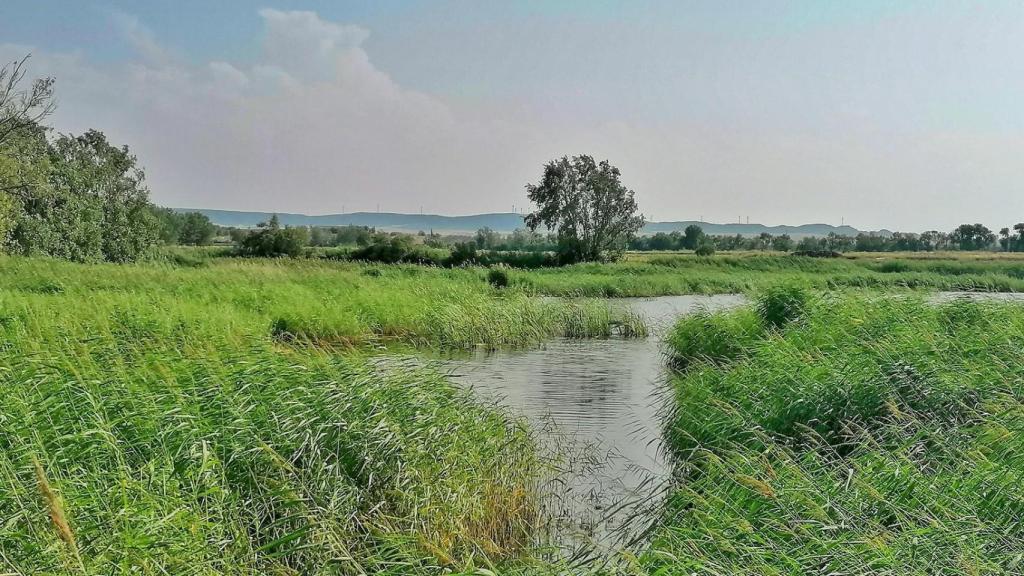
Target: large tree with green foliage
<point>22,142</point>
<point>585,203</point>
<point>107,183</point>
<point>196,229</point>
<point>692,237</point>
<point>972,237</point>
<point>74,197</point>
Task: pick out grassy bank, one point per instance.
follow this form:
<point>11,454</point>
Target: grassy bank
<point>233,416</point>
<point>688,274</point>
<point>328,304</point>
<point>131,448</point>
<point>851,434</point>
<point>662,274</point>
<point>199,419</point>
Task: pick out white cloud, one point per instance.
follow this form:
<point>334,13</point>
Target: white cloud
<point>312,126</point>
<point>306,46</point>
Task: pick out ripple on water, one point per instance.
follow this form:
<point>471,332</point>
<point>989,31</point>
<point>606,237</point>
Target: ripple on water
<point>599,403</point>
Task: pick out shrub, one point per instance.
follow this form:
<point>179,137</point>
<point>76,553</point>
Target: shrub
<point>397,250</point>
<point>517,259</point>
<point>817,253</point>
<point>894,266</point>
<point>462,253</point>
<point>705,249</point>
<point>497,277</point>
<point>271,240</point>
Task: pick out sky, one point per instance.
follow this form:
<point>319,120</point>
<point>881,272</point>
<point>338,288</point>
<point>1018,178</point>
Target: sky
<point>900,115</point>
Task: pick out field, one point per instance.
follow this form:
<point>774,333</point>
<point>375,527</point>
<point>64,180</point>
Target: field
<point>665,274</point>
<point>213,415</point>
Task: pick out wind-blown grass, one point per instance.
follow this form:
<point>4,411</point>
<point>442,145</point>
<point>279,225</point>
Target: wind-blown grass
<point>687,274</point>
<point>875,435</point>
<point>662,274</point>
<point>330,304</point>
<point>159,419</point>
<point>164,442</point>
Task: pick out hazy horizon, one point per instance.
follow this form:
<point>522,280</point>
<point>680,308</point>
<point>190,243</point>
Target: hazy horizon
<point>903,116</point>
<point>650,219</point>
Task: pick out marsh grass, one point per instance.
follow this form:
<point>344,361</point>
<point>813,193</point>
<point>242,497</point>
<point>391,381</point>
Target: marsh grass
<point>161,419</point>
<point>172,445</point>
<point>337,306</point>
<point>880,434</point>
<point>662,275</point>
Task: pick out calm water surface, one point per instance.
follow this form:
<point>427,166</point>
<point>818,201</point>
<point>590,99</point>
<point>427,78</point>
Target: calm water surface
<point>597,403</point>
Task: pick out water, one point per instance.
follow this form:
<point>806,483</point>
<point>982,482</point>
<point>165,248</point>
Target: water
<point>597,404</point>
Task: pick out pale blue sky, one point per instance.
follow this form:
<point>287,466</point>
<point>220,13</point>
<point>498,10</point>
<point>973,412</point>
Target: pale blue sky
<point>903,115</point>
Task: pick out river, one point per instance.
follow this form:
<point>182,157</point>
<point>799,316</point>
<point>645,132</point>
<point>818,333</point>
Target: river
<point>597,405</point>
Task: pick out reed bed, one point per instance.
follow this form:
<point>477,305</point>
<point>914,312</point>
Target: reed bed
<point>337,306</point>
<point>687,274</point>
<point>868,434</point>
<point>154,420</point>
<point>152,440</point>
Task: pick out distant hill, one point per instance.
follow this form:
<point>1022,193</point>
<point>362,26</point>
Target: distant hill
<point>754,229</point>
<point>500,222</point>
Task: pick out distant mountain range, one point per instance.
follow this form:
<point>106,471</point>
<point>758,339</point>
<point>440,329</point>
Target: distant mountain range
<point>500,222</point>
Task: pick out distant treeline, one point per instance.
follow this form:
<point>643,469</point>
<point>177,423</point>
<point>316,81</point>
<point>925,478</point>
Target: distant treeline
<point>969,237</point>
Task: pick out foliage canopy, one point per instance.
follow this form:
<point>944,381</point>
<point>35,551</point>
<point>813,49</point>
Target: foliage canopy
<point>592,213</point>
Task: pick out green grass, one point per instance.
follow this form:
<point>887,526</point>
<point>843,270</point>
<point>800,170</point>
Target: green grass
<point>215,415</point>
<point>688,274</point>
<point>329,304</point>
<point>662,274</point>
<point>871,434</point>
<point>162,418</point>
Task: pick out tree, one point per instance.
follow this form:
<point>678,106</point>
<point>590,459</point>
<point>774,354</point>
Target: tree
<point>1018,238</point>
<point>106,177</point>
<point>86,201</point>
<point>24,174</point>
<point>692,237</point>
<point>932,240</point>
<point>486,238</point>
<point>169,225</point>
<point>22,107</point>
<point>196,229</point>
<point>809,244</point>
<point>1004,239</point>
<point>782,243</point>
<point>705,248</point>
<point>23,146</point>
<point>271,240</point>
<point>660,241</point>
<point>593,215</point>
<point>972,237</point>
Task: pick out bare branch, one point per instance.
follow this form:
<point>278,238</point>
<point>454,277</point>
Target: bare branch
<point>20,106</point>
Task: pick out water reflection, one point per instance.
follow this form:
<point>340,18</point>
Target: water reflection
<point>598,404</point>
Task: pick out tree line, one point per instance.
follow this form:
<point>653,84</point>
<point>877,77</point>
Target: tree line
<point>966,237</point>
